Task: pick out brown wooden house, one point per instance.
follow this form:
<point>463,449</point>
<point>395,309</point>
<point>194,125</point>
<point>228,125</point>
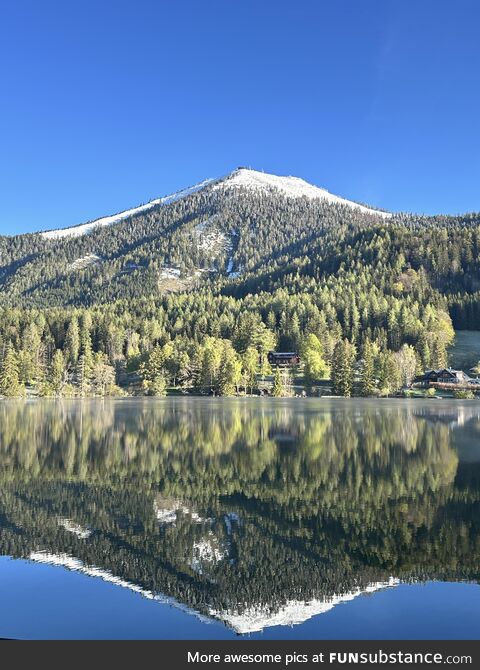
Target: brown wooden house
<point>283,358</point>
<point>444,376</point>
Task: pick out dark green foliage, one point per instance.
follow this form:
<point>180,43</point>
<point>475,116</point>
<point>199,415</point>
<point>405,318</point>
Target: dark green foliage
<point>305,268</point>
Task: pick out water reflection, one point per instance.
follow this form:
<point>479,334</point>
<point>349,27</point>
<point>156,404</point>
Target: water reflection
<point>253,513</point>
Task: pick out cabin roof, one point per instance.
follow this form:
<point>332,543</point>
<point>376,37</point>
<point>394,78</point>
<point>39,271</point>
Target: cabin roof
<point>449,371</point>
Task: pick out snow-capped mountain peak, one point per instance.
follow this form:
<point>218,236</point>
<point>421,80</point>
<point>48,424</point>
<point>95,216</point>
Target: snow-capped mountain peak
<point>241,178</point>
<point>292,187</point>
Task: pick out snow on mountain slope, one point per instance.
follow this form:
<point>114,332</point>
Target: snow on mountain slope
<point>292,187</point>
<point>75,528</point>
<point>76,231</point>
<point>75,565</point>
<point>252,620</point>
<point>85,261</point>
<point>293,612</point>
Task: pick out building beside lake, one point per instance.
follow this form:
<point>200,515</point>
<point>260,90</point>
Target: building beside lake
<point>277,358</point>
<point>447,378</point>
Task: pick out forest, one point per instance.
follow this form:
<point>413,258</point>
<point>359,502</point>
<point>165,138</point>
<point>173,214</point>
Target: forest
<point>191,297</point>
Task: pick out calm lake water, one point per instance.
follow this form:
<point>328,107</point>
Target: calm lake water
<point>210,518</point>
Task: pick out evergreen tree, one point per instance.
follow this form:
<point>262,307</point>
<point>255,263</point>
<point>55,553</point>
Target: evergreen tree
<point>31,360</point>
<point>57,371</point>
<point>211,358</point>
<point>230,371</point>
<point>250,365</point>
<point>439,354</point>
<point>158,387</point>
<point>72,342</point>
<point>153,370</point>
<point>82,376</point>
<point>10,385</point>
<point>278,388</point>
<point>389,373</point>
<point>368,379</point>
<point>343,368</point>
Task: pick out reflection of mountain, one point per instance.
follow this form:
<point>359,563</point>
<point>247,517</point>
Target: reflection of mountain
<point>293,612</point>
<point>204,503</point>
<point>249,621</point>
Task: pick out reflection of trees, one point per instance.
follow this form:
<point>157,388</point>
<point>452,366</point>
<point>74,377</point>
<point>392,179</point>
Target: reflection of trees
<point>228,505</point>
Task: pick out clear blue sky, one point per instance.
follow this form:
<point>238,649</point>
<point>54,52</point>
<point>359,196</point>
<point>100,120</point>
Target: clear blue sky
<point>109,103</point>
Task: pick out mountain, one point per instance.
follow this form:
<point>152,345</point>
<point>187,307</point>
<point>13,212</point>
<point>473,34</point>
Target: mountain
<point>226,227</point>
<point>229,256</point>
<point>252,620</point>
<point>241,178</point>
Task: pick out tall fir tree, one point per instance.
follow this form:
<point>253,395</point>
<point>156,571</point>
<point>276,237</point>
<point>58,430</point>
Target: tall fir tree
<point>343,368</point>
<point>368,379</point>
<point>10,385</point>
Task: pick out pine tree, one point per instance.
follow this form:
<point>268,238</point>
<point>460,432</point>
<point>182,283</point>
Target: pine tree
<point>211,358</point>
<point>153,371</point>
<point>389,373</point>
<point>57,371</point>
<point>72,342</point>
<point>230,370</point>
<point>439,354</point>
<point>10,385</point>
<point>158,387</point>
<point>31,355</point>
<point>86,349</point>
<point>277,389</point>
<point>342,368</point>
<point>368,383</point>
<point>82,376</point>
<point>250,365</point>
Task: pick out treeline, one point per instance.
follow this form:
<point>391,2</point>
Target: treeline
<point>214,344</point>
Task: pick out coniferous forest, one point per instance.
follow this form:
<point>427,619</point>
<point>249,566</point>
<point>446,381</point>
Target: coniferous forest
<point>191,297</point>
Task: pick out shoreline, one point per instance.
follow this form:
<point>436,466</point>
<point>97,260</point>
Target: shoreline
<point>237,398</point>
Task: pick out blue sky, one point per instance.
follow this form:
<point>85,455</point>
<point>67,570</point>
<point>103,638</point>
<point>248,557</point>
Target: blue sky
<point>106,104</point>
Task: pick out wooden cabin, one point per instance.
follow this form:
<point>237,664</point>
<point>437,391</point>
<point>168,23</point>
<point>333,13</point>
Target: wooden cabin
<point>444,376</point>
<point>283,358</point>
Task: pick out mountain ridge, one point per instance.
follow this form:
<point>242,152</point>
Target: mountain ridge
<point>241,177</point>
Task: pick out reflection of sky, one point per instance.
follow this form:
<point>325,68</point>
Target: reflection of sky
<point>45,601</point>
<point>395,449</point>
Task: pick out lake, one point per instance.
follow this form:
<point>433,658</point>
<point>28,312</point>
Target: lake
<point>260,518</point>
